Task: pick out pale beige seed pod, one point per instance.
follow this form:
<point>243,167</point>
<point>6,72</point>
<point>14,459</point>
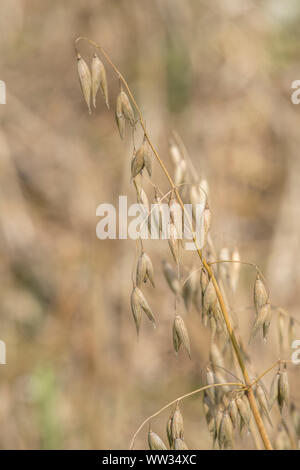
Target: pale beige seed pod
<point>209,298</point>
<point>144,270</point>
<point>136,310</point>
<point>274,390</point>
<point>177,429</point>
<point>218,420</point>
<point>85,80</point>
<point>120,118</point>
<point>263,402</point>
<point>283,389</point>
<point>176,216</point>
<point>226,432</point>
<point>179,444</point>
<point>233,412</point>
<point>127,108</point>
<point>143,304</point>
<point>169,431</point>
<point>173,242</point>
<point>137,163</point>
<point>99,80</point>
<point>171,277</point>
<point>190,287</point>
<point>260,294</point>
<point>263,317</point>
<point>243,409</point>
<point>182,333</point>
<point>267,322</point>
<point>155,442</point>
<point>176,340</point>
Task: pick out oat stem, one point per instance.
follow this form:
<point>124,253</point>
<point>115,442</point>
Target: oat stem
<point>250,394</point>
<point>238,384</point>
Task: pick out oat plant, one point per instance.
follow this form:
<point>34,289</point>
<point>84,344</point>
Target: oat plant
<point>233,406</point>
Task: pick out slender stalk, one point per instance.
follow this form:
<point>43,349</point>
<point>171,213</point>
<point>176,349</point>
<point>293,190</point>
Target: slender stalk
<point>178,400</point>
<point>249,392</point>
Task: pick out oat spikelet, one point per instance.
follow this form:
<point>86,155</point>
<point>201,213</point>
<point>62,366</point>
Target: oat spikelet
<point>260,294</point>
<point>226,432</point>
<point>144,270</point>
<point>136,310</point>
<point>263,402</point>
<point>177,424</point>
<point>283,389</point>
<point>181,333</point>
<point>137,164</point>
<point>209,298</point>
<point>99,79</point>
<point>138,305</point>
<point>233,412</point>
<point>173,242</point>
<point>127,108</point>
<point>120,118</point>
<point>243,409</point>
<point>85,80</point>
<point>210,379</point>
<point>274,390</point>
<point>262,318</point>
<point>155,442</point>
<point>169,431</point>
<point>179,444</point>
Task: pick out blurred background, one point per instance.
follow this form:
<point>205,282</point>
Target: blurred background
<point>220,74</point>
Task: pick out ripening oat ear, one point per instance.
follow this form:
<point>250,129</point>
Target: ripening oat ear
<point>120,118</point>
<point>260,294</point>
<point>233,412</point>
<point>243,410</point>
<point>127,108</point>
<point>85,80</point>
<point>155,442</point>
<point>169,431</point>
<point>177,430</point>
<point>262,321</point>
<point>274,390</point>
<point>137,163</point>
<point>226,432</point>
<point>99,79</point>
<point>180,335</point>
<point>283,389</point>
<point>263,402</point>
<point>144,270</point>
<point>138,305</point>
<point>179,444</point>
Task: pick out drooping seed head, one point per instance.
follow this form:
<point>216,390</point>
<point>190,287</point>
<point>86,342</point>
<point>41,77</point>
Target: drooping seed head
<point>226,432</point>
<point>283,389</point>
<point>179,444</point>
<point>243,409</point>
<point>127,108</point>
<point>120,118</point>
<point>99,79</point>
<point>274,390</point>
<point>177,424</point>
<point>260,294</point>
<point>155,442</point>
<point>181,332</point>
<point>85,80</point>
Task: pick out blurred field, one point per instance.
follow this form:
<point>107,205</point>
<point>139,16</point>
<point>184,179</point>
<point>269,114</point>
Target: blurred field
<point>219,73</point>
